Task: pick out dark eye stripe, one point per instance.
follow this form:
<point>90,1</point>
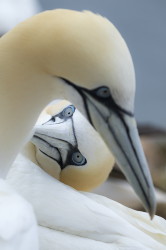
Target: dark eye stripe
<point>64,114</point>
<point>109,101</point>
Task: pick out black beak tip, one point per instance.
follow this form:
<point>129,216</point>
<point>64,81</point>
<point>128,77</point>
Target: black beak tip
<point>152,206</point>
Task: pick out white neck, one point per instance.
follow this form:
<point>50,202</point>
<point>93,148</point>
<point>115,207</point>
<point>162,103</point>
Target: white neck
<point>19,108</point>
<point>24,92</point>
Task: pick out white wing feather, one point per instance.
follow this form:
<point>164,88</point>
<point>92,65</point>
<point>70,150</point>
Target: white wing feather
<point>18,227</point>
<point>65,213</point>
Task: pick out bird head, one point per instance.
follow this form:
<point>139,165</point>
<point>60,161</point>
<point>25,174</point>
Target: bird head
<point>69,149</point>
<point>81,57</point>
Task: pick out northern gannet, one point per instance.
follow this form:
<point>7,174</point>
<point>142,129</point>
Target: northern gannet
<point>64,141</point>
<point>59,134</point>
<point>81,57</point>
<point>69,219</point>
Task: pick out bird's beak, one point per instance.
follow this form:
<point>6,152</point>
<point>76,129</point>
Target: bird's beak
<point>47,136</point>
<point>120,133</point>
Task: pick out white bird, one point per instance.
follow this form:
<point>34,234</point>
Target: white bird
<point>81,57</point>
<point>64,141</point>
<point>89,220</point>
<point>73,141</point>
<point>18,228</point>
<point>78,56</point>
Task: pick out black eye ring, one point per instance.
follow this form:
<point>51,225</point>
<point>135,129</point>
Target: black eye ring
<point>78,159</point>
<point>103,92</point>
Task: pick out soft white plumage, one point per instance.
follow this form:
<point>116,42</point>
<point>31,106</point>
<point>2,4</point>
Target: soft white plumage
<point>70,219</point>
<point>18,228</point>
<point>122,192</point>
<point>77,220</point>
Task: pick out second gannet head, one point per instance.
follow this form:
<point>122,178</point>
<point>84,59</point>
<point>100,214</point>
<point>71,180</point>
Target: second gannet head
<point>69,149</point>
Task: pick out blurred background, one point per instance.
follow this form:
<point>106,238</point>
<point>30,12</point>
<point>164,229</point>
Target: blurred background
<point>142,24</point>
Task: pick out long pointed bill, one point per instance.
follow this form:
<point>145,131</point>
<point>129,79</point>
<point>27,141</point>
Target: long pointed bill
<point>120,133</point>
<point>48,137</point>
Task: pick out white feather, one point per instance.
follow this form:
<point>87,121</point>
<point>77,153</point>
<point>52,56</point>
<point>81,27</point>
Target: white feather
<point>18,228</point>
<point>66,215</point>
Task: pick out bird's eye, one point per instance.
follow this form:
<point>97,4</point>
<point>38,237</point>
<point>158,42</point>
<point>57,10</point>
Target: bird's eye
<point>103,92</point>
<point>68,112</point>
<point>78,159</point>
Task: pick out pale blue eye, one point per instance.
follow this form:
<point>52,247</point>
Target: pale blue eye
<point>103,92</point>
<point>78,158</point>
<point>69,111</point>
